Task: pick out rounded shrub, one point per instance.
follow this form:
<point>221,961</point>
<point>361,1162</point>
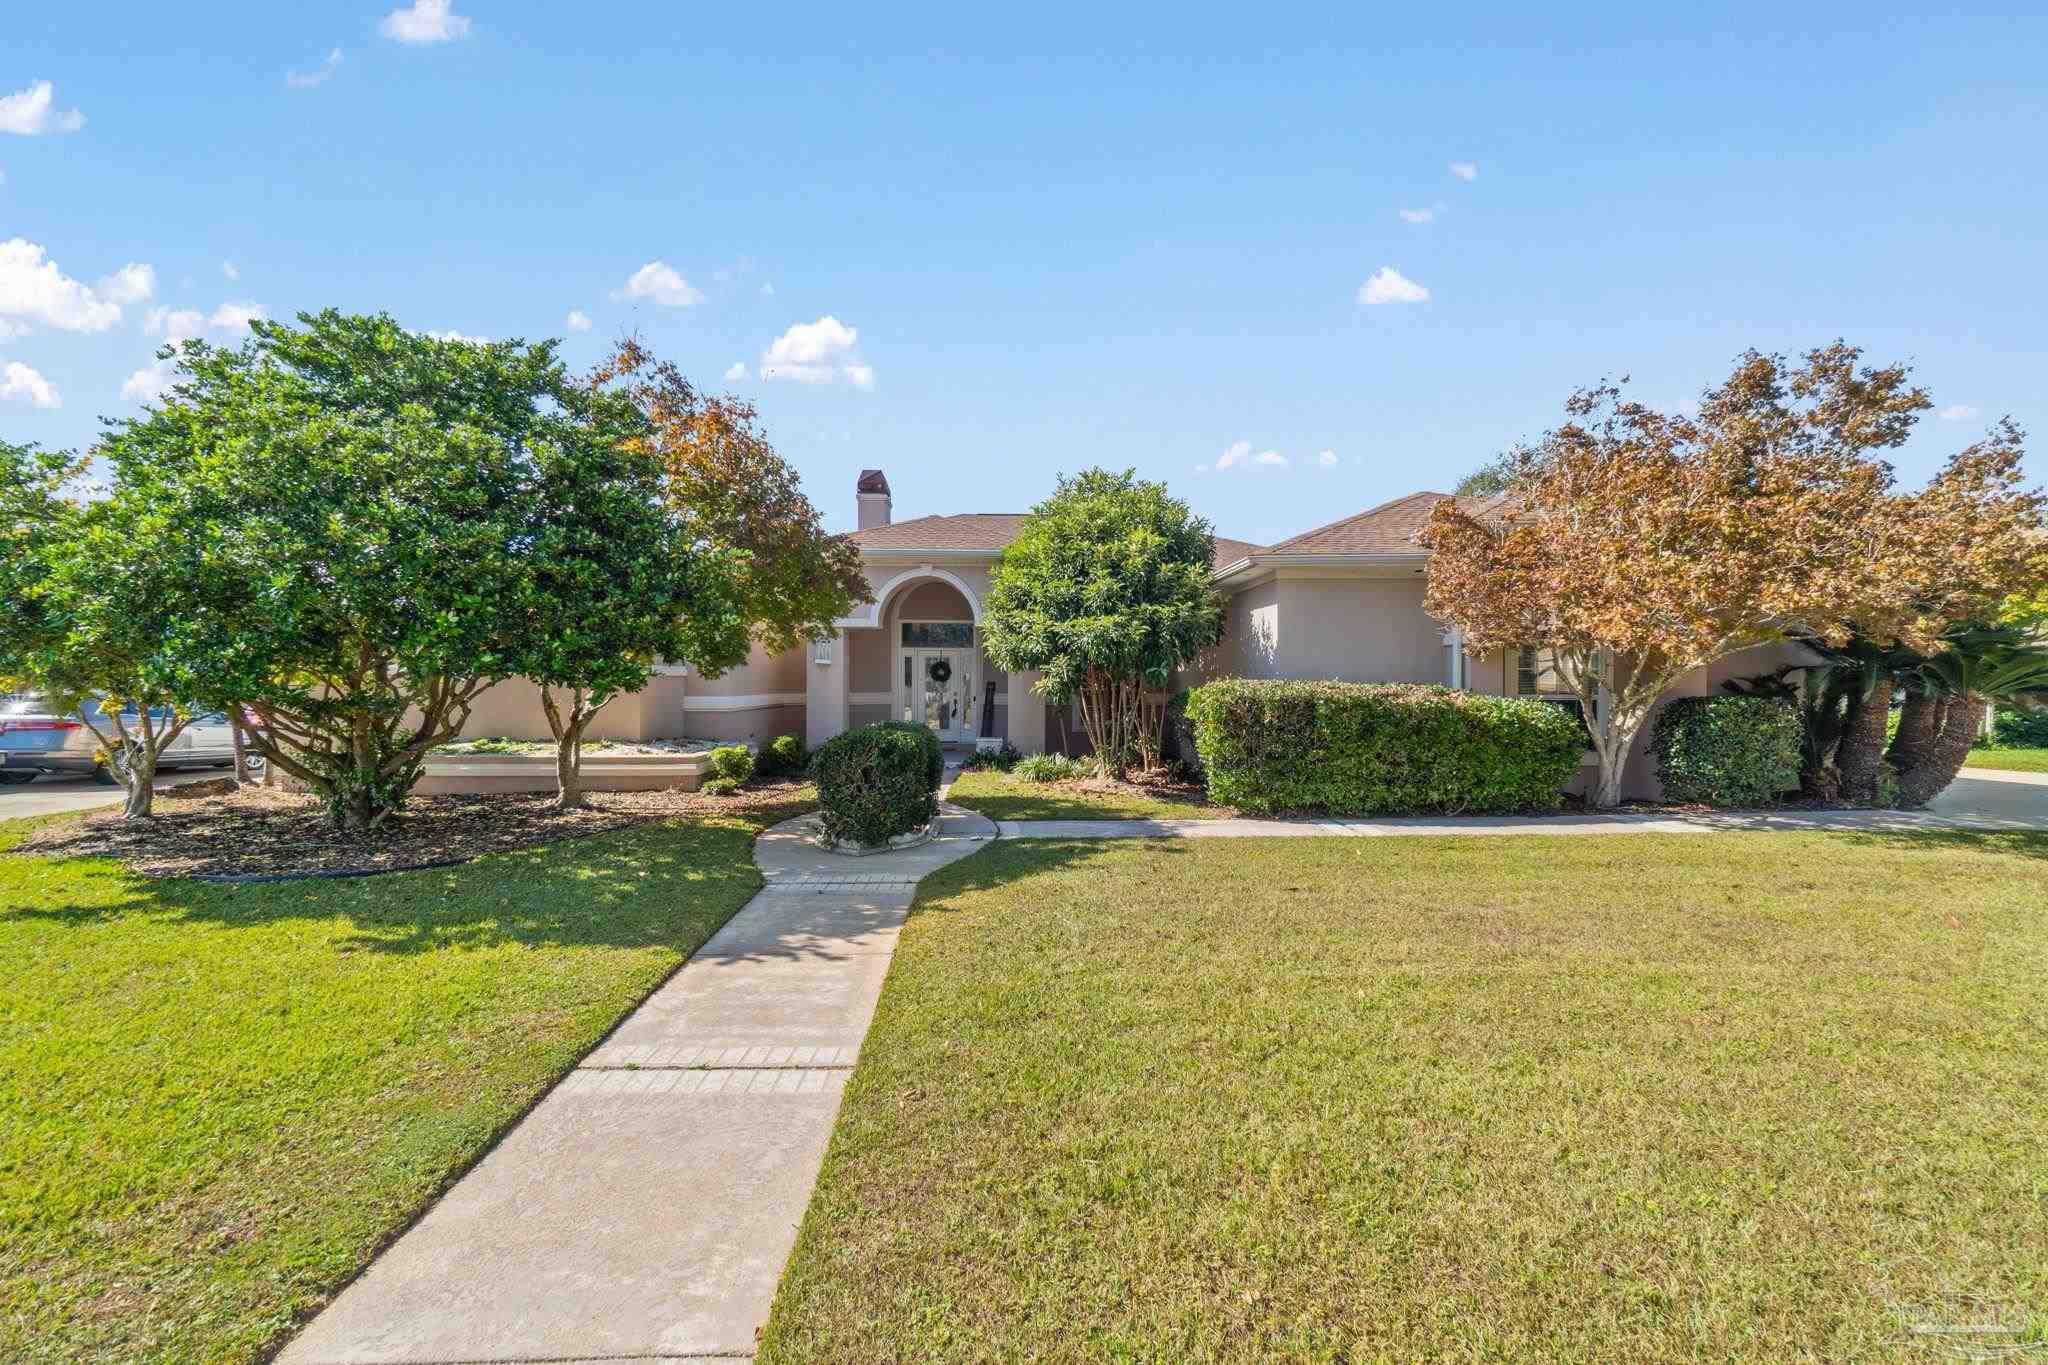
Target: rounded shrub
<point>1727,751</point>
<point>719,786</point>
<point>2022,727</point>
<point>878,781</point>
<point>783,755</point>
<point>1380,748</point>
<point>733,762</point>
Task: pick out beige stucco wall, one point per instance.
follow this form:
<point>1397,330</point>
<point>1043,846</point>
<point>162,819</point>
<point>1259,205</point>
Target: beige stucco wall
<point>512,709</point>
<point>1358,630</point>
<point>758,700</point>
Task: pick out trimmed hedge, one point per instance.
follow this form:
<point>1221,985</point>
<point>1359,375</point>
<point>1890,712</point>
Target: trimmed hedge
<point>878,781</point>
<point>1727,751</point>
<point>2022,727</point>
<point>1380,748</point>
<point>732,762</point>
<point>780,756</point>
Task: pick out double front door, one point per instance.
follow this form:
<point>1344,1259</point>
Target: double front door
<point>938,690</point>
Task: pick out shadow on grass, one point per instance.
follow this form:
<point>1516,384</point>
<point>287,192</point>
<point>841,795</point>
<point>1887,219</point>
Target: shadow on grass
<point>649,886</point>
<point>2011,843</point>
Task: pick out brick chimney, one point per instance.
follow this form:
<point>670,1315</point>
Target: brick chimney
<point>872,495</point>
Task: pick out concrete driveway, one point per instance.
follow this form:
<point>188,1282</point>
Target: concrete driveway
<point>52,795</point>
<point>1992,797</point>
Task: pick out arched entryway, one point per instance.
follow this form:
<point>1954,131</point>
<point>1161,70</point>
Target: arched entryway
<point>915,655</point>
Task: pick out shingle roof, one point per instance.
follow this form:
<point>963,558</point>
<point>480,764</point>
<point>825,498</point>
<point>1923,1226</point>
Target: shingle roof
<point>989,531</point>
<point>1229,551</point>
<point>1389,528</point>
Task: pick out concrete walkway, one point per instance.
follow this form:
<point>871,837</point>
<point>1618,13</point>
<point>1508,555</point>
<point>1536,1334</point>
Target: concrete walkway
<point>56,795</point>
<point>1981,799</point>
<point>645,1208</point>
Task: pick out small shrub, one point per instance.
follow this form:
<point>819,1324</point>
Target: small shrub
<point>1052,768</point>
<point>1002,760</point>
<point>720,786</point>
<point>878,781</point>
<point>781,756</point>
<point>2022,727</point>
<point>1727,751</point>
<point>1380,748</point>
<point>732,762</point>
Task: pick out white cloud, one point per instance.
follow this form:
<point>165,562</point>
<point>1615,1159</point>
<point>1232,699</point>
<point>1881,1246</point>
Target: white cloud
<point>577,321</point>
<point>32,111</point>
<point>306,80</point>
<point>736,371</point>
<point>452,335</point>
<point>231,270</point>
<point>176,325</point>
<point>425,21</point>
<point>1240,455</point>
<point>18,381</point>
<point>658,281</point>
<point>1389,285</point>
<point>34,290</point>
<point>1465,170</point>
<point>150,382</point>
<point>1328,459</point>
<point>132,283</point>
<point>1957,412</point>
<point>822,352</point>
<point>1418,215</point>
<point>234,317</point>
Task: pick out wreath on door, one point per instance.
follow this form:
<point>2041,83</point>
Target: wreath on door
<point>939,671</point>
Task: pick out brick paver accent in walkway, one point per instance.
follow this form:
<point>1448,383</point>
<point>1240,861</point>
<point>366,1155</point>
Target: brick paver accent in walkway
<point>645,1208</point>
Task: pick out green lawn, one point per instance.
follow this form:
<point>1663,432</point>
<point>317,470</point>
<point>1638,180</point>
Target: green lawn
<point>1000,796</point>
<point>216,1102</point>
<point>1654,1098</point>
<point>2012,760</point>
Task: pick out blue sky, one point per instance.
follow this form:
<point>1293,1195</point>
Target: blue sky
<point>1048,239</point>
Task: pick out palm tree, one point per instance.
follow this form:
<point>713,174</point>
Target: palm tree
<point>1847,708</point>
<point>1947,696</point>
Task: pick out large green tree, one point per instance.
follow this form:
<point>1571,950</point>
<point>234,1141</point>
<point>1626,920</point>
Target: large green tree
<point>383,524</point>
<point>87,617</point>
<point>1105,592</point>
<point>614,581</point>
<point>37,509</point>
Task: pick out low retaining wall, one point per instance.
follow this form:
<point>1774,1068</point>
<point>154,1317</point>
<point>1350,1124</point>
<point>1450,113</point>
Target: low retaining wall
<point>478,774</point>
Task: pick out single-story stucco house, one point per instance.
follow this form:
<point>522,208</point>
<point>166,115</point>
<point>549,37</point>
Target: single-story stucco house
<point>1340,601</point>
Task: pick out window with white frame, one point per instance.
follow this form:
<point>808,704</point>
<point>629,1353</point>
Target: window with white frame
<point>1542,675</point>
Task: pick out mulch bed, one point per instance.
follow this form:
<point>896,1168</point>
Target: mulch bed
<point>260,833</point>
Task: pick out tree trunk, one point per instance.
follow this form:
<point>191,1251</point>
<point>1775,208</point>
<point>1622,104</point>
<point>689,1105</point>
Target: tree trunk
<point>1860,755</point>
<point>138,775</point>
<point>568,732</point>
<point>569,769</point>
<point>1944,756</point>
<point>1919,723</point>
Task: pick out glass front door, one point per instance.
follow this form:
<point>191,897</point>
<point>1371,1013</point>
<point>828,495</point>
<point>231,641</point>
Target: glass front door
<point>939,688</point>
